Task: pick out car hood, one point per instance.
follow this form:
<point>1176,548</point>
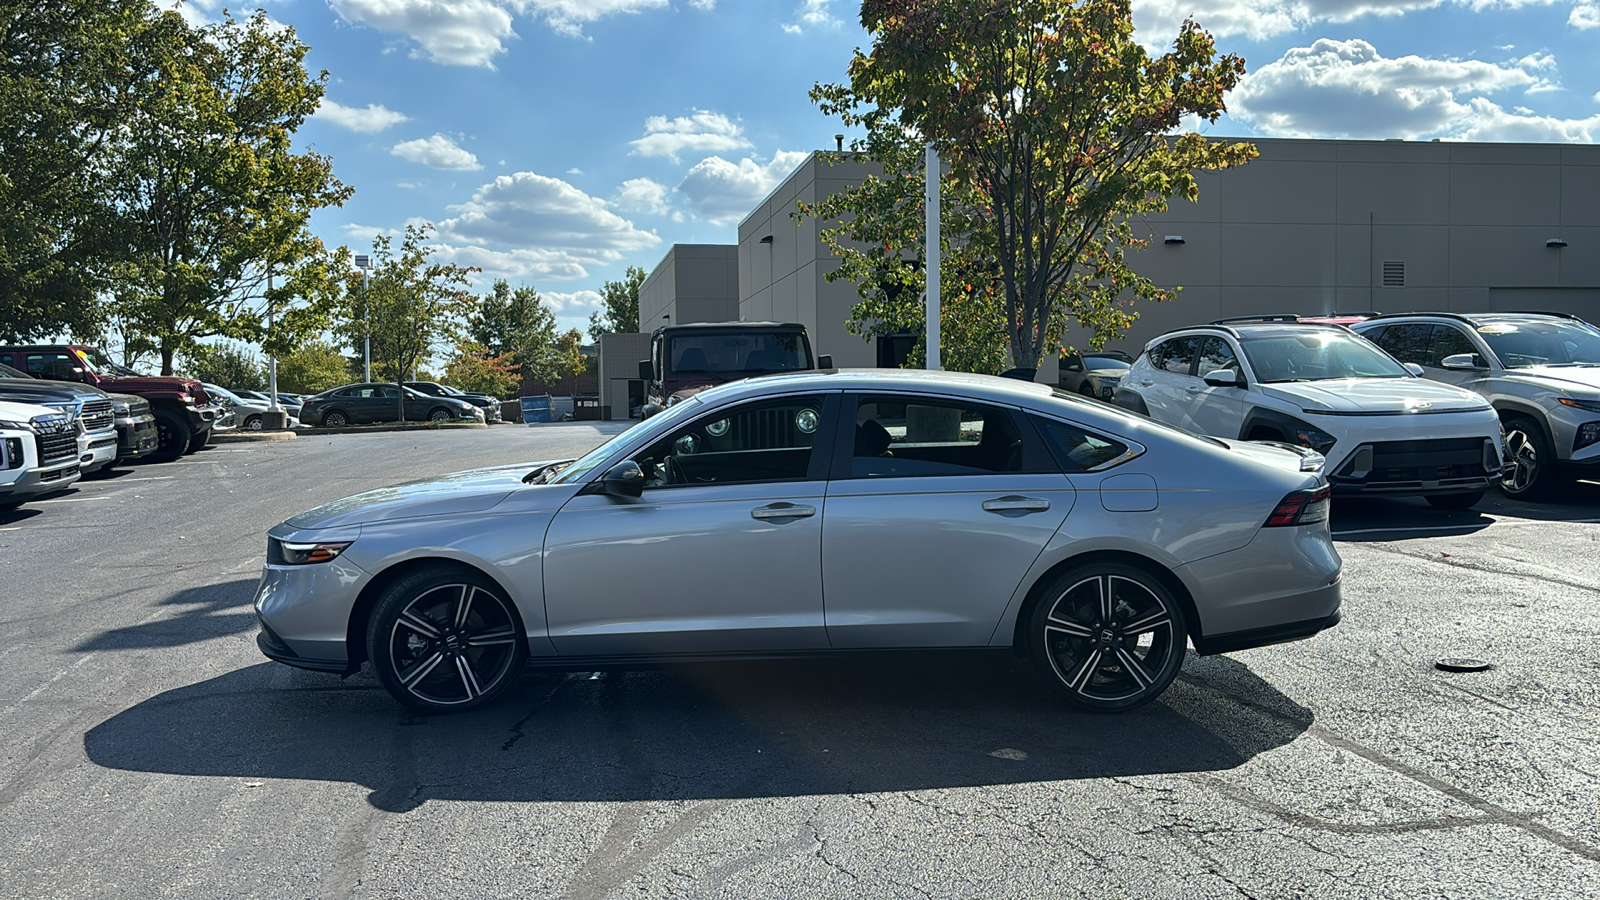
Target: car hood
<point>34,390</point>
<point>1568,378</point>
<point>1375,396</point>
<point>472,491</point>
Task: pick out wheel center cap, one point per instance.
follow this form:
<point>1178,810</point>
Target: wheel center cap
<point>1107,636</point>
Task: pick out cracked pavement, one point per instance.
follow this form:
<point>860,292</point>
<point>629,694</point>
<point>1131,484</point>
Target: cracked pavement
<point>150,751</point>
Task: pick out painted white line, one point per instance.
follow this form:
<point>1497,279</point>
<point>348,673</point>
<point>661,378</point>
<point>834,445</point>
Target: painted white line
<point>71,500</point>
<point>12,528</point>
<point>59,675</point>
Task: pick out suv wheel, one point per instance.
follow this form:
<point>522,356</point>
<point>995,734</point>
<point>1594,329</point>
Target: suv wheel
<point>1532,474</point>
<point>1107,637</point>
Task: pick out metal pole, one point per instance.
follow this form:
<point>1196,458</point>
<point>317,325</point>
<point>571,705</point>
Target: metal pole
<point>366,333</point>
<point>931,252</point>
<point>272,359</point>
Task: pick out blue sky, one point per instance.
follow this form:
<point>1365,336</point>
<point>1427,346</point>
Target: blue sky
<point>557,142</point>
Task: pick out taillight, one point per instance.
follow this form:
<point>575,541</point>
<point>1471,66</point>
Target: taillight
<point>1301,508</point>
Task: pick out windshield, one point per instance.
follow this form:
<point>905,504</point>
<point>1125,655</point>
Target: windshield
<point>223,393</point>
<point>8,372</point>
<point>663,421</point>
<point>1319,355</point>
<point>1100,363</point>
<point>738,353</point>
<point>1534,343</point>
<point>99,362</point>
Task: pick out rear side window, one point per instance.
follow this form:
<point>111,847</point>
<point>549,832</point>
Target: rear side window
<point>1076,449</point>
<point>914,436</point>
<point>1174,355</point>
<point>1407,343</point>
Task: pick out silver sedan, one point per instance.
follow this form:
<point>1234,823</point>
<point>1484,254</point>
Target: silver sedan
<point>816,513</point>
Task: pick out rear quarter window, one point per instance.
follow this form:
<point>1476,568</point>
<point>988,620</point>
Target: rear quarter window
<point>1077,449</point>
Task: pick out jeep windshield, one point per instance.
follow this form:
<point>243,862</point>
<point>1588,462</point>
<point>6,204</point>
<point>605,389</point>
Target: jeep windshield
<point>1319,355</point>
<point>99,362</point>
<point>737,353</point>
<point>1523,344</point>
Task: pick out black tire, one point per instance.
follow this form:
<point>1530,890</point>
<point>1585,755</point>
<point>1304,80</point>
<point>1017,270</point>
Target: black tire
<point>335,418</point>
<point>445,639</point>
<point>1455,501</point>
<point>1106,636</point>
<point>173,435</point>
<point>198,441</point>
<point>440,414</point>
<point>253,423</point>
<point>1087,390</point>
<point>1532,474</point>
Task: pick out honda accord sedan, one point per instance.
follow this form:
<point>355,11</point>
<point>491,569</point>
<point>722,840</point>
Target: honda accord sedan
<point>815,513</point>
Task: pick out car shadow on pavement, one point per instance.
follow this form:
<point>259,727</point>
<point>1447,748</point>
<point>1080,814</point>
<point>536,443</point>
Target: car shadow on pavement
<point>694,732</point>
<point>15,514</point>
<point>212,610</point>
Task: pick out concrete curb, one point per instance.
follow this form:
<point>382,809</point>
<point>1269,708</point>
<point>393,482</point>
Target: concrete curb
<point>377,429</point>
<point>250,437</point>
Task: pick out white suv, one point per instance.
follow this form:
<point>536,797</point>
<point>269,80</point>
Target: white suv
<point>1540,371</point>
<point>38,451</point>
<point>1384,430</point>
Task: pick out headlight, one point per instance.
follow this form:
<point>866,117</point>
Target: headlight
<point>1316,439</point>
<point>19,426</point>
<point>1587,405</point>
<point>69,408</point>
<point>293,554</point>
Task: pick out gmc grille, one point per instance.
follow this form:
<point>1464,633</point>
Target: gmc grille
<point>97,415</point>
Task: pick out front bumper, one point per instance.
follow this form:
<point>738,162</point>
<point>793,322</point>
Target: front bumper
<point>304,612</point>
<point>137,436</point>
<point>1418,467</point>
<point>35,482</point>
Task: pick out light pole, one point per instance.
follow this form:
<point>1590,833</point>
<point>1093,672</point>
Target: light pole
<point>364,263</point>
<point>275,419</point>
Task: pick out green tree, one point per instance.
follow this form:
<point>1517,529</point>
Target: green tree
<point>474,368</point>
<point>515,322</point>
<point>229,365</point>
<point>410,303</point>
<point>569,353</point>
<point>312,368</point>
<point>1056,127</point>
<point>72,72</point>
<point>212,198</point>
<point>621,299</point>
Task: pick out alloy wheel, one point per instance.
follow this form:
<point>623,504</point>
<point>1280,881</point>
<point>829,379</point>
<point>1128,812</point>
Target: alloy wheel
<point>1529,475</point>
<point>335,419</point>
<point>1109,640</point>
<point>439,414</point>
<point>449,646</point>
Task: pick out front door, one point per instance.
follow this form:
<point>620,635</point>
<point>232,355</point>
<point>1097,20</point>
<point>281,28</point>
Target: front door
<point>720,555</point>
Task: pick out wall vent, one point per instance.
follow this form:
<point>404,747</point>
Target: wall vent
<point>1394,274</point>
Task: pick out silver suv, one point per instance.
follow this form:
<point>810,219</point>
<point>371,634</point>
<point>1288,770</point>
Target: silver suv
<point>1384,430</point>
<point>1540,371</point>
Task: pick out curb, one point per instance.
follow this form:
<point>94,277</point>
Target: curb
<point>250,437</point>
<point>313,431</point>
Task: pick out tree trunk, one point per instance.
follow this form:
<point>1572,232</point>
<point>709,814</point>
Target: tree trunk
<point>166,358</point>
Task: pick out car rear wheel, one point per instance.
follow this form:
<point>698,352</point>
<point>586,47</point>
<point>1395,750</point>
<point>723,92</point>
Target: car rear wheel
<point>1107,637</point>
<point>1531,475</point>
<point>445,639</point>
<point>253,423</point>
<point>439,414</point>
<point>335,418</point>
<point>173,434</point>
<point>1455,501</point>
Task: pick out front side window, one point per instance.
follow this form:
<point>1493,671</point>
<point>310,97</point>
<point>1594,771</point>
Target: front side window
<point>1448,340</point>
<point>1407,343</point>
<point>1216,355</point>
<point>904,437</point>
<point>771,440</point>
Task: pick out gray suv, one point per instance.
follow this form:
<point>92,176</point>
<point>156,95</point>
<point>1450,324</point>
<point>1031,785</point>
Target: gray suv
<point>1540,371</point>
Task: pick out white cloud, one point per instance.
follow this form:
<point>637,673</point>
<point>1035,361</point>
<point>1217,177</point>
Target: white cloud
<point>706,5</point>
<point>512,264</point>
<point>1491,123</point>
<point>642,195</point>
<point>531,210</point>
<point>437,152</point>
<point>372,119</point>
<point>1157,21</point>
<point>812,14</point>
<point>1347,89</point>
<point>572,303</point>
<point>450,32</point>
<point>1585,15</point>
<point>569,16</point>
<point>724,192</point>
<point>702,131</point>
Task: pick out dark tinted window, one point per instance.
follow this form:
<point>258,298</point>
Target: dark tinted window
<point>1407,343</point>
<point>907,437</point>
<point>1075,449</point>
<point>1448,340</point>
<point>1174,355</point>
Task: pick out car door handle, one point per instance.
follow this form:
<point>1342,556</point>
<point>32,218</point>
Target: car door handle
<point>782,511</point>
<point>1013,503</point>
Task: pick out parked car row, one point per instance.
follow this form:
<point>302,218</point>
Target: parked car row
<point>358,404</point>
<point>1441,406</point>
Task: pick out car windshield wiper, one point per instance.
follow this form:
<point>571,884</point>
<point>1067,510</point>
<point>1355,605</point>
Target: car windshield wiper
<point>544,473</point>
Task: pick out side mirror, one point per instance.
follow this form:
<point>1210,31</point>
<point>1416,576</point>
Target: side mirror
<point>825,361</point>
<point>1466,361</point>
<point>625,479</point>
<point>646,373</point>
<point>1413,368</point>
<point>1225,378</point>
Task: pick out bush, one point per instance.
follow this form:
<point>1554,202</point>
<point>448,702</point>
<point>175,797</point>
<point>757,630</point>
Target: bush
<point>314,368</point>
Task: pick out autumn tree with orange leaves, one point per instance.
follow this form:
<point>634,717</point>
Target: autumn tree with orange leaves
<point>1057,130</point>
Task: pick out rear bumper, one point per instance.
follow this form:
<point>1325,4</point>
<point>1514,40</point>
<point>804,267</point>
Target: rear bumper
<point>1272,634</point>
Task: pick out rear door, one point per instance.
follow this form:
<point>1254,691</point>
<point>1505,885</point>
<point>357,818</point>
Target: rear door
<point>936,509</point>
<point>1164,384</point>
<point>1217,411</point>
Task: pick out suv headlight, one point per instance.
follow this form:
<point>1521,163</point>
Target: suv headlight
<point>1585,405</point>
<point>13,424</point>
<point>1315,438</point>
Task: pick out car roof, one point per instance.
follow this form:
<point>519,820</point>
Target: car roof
<point>1255,329</point>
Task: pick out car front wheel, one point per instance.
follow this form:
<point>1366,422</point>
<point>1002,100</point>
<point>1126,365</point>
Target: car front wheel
<point>1530,476</point>
<point>439,414</point>
<point>445,639</point>
<point>1107,637</point>
<point>173,433</point>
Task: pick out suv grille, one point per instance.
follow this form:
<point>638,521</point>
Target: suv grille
<point>1410,464</point>
<point>97,416</point>
<point>56,438</point>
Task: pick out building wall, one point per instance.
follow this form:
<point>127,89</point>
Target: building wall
<point>692,283</point>
<point>619,364</point>
<point>1307,228</point>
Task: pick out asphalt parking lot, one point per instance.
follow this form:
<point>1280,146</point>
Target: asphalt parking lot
<point>148,750</point>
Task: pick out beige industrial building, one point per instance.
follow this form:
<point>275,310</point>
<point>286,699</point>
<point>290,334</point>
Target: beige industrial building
<point>1311,227</point>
